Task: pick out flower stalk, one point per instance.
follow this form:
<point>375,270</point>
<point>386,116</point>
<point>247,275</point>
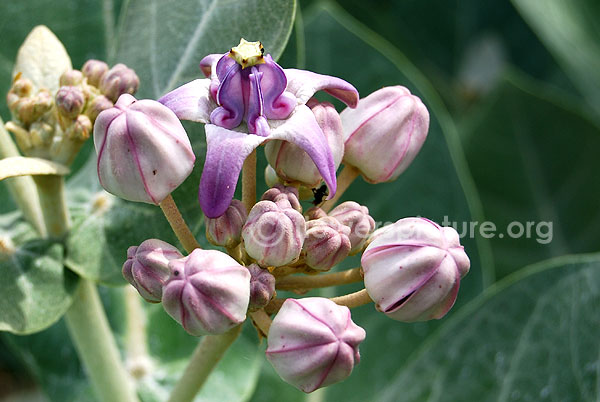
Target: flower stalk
<point>180,228</point>
<point>352,300</point>
<point>320,281</point>
<point>249,181</point>
<point>348,174</point>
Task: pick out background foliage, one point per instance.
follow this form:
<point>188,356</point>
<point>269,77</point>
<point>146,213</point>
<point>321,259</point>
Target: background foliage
<point>514,94</point>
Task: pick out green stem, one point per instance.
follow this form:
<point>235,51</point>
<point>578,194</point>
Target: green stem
<point>51,190</point>
<point>96,346</point>
<point>249,181</point>
<point>205,358</point>
<point>138,360</point>
<point>320,281</point>
<point>180,228</point>
<point>22,189</point>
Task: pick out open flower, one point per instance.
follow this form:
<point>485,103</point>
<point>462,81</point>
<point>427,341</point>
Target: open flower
<point>248,100</point>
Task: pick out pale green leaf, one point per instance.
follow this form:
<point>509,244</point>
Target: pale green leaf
<point>16,166</point>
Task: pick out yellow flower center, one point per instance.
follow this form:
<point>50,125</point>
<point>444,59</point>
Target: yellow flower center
<point>247,54</point>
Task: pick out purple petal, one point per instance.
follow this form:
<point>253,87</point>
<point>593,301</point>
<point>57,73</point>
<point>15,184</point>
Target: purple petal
<point>225,155</point>
<point>255,105</point>
<point>229,96</point>
<point>302,129</point>
<point>277,103</point>
<point>207,64</point>
<point>223,65</point>
<point>303,84</point>
<point>191,101</point>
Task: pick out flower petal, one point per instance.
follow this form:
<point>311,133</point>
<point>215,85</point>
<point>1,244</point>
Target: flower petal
<point>255,105</point>
<point>207,64</point>
<point>303,84</point>
<point>225,155</point>
<point>278,104</point>
<point>232,109</point>
<point>191,101</point>
<point>302,129</point>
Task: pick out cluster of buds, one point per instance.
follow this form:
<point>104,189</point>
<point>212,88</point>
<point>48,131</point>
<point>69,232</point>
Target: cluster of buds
<point>55,125</point>
<point>411,269</point>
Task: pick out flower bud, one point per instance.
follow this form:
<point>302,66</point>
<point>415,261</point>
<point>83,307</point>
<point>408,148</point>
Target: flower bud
<point>147,267</point>
<point>94,70</point>
<point>119,80</point>
<point>143,150</point>
<point>208,292</point>
<point>357,218</point>
<point>273,235</point>
<point>384,133</point>
<point>41,134</point>
<point>313,343</point>
<point>412,270</point>
<point>226,230</point>
<point>293,164</point>
<point>71,78</point>
<point>43,102</point>
<point>99,104</point>
<point>80,129</point>
<point>69,101</point>
<point>326,243</point>
<point>262,287</point>
<point>280,192</point>
<point>22,87</point>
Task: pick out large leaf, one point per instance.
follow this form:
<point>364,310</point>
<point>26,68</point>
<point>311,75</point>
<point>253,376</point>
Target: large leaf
<point>36,289</point>
<point>164,41</point>
<point>531,337</point>
<point>168,346</point>
<point>534,159</point>
<point>571,31</point>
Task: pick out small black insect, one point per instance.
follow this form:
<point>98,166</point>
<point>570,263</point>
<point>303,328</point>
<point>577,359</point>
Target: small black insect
<point>320,193</point>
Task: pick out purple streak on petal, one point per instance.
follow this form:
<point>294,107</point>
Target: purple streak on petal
<point>223,65</point>
<point>191,101</point>
<point>225,155</point>
<point>229,97</point>
<point>255,105</point>
<point>303,84</point>
<point>277,103</point>
<point>208,62</point>
<point>302,129</point>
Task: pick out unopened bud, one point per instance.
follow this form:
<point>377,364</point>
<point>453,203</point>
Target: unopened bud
<point>313,343</point>
<point>143,150</point>
<point>293,164</point>
<point>22,87</point>
<point>97,105</point>
<point>262,287</point>
<point>43,102</point>
<point>412,269</point>
<point>147,267</point>
<point>71,78</point>
<point>384,133</point>
<point>226,230</point>
<point>69,101</point>
<point>94,70</point>
<point>41,134</point>
<point>279,192</point>
<point>119,80</point>
<point>273,235</point>
<point>326,243</point>
<point>208,292</point>
<point>81,129</point>
<point>357,218</point>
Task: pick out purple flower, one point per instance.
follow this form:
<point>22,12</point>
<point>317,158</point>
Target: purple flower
<point>250,99</point>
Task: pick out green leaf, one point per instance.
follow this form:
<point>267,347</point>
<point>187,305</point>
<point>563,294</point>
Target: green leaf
<point>531,337</point>
<point>36,289</point>
<point>534,159</point>
<point>571,31</point>
<point>165,41</point>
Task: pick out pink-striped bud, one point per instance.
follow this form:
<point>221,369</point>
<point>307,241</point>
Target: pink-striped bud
<point>384,133</point>
<point>313,343</point>
<point>326,243</point>
<point>226,230</point>
<point>293,164</point>
<point>274,233</point>
<point>94,70</point>
<point>119,80</point>
<point>357,218</point>
<point>412,270</point>
<point>280,192</point>
<point>262,287</point>
<point>208,292</point>
<point>147,267</point>
<point>143,150</point>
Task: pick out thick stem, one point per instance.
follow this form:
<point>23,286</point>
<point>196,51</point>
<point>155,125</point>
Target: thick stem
<point>181,229</point>
<point>355,299</point>
<point>96,346</point>
<point>138,361</point>
<point>205,358</point>
<point>22,189</point>
<point>274,306</point>
<point>348,174</point>
<point>51,190</point>
<point>320,281</point>
<point>262,321</point>
<point>249,181</point>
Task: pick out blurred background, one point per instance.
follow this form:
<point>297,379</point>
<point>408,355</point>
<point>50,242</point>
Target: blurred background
<point>513,88</point>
